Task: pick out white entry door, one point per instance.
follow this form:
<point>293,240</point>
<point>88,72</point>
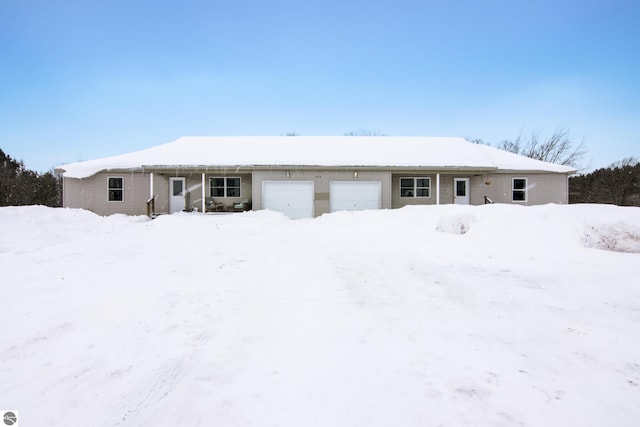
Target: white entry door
<point>354,195</point>
<point>176,194</point>
<point>292,198</point>
<point>461,191</point>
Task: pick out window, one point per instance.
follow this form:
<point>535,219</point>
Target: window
<point>225,187</point>
<point>115,189</point>
<point>178,185</point>
<point>519,189</point>
<point>415,187</point>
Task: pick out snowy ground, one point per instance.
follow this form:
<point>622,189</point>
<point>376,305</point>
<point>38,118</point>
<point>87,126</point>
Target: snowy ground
<point>432,316</point>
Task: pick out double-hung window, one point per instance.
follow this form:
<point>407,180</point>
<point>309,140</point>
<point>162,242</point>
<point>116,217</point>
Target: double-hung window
<point>225,187</point>
<point>519,189</point>
<point>415,187</point>
<point>115,189</point>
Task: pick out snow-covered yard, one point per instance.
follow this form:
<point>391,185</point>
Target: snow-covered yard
<point>426,316</point>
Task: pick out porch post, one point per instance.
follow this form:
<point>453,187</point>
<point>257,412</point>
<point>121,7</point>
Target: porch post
<point>150,185</point>
<point>437,189</point>
<point>204,204</point>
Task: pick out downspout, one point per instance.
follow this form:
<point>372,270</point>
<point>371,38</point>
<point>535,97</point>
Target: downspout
<point>437,189</point>
<point>204,205</point>
<point>150,184</point>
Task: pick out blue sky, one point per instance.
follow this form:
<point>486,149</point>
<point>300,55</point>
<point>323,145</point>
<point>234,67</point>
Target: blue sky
<point>86,79</point>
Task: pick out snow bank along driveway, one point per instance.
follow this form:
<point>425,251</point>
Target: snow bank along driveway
<point>452,316</point>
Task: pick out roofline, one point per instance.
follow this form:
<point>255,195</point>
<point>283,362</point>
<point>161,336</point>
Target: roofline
<point>534,171</point>
<point>314,167</point>
<point>246,168</point>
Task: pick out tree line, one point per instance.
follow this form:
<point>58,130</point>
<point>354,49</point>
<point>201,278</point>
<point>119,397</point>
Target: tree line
<point>617,184</point>
<point>20,186</point>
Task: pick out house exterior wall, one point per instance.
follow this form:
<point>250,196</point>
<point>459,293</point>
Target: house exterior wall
<point>542,188</point>
<point>161,191</point>
<point>321,180</point>
<point>92,193</point>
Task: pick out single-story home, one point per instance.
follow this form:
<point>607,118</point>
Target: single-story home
<point>309,176</point>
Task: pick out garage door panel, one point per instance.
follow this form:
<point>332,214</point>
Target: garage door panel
<point>292,198</point>
<point>354,195</point>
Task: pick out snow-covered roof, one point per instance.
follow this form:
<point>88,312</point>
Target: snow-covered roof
<point>322,151</point>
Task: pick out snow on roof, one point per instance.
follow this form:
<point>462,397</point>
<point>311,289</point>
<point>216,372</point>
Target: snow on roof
<point>327,151</point>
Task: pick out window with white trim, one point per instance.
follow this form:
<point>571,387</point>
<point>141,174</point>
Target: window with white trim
<point>115,188</point>
<point>225,186</point>
<point>519,189</point>
<point>415,187</point>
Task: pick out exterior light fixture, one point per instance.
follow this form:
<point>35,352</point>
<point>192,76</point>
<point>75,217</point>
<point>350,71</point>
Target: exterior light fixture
<point>355,174</point>
<point>288,174</point>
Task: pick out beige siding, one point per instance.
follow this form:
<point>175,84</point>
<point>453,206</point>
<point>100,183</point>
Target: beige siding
<point>478,189</point>
<point>542,188</point>
<point>446,188</point>
<point>321,180</point>
<point>92,194</point>
<point>161,191</point>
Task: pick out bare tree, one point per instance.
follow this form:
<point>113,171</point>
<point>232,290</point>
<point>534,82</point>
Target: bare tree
<point>514,146</point>
<point>558,148</point>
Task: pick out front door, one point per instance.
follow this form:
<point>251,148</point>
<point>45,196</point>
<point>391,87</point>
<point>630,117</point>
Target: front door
<point>461,191</point>
<point>176,194</point>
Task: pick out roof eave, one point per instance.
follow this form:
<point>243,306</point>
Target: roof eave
<point>319,166</point>
<point>537,171</point>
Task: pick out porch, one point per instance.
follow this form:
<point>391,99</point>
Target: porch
<point>212,190</point>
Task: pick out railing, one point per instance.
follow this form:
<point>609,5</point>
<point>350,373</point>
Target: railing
<point>487,201</point>
<point>151,207</point>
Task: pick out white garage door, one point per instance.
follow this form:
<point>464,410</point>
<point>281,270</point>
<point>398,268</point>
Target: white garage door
<point>354,195</point>
<point>292,198</point>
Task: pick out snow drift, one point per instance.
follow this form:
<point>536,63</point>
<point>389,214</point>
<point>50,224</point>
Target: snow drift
<point>450,315</point>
